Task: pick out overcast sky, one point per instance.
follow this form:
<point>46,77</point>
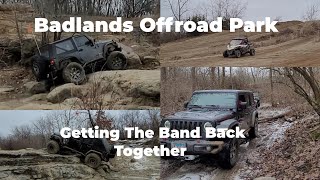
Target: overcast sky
<point>257,9</point>
<point>12,118</point>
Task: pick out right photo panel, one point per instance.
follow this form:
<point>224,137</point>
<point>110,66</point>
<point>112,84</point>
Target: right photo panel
<point>277,109</point>
<point>245,68</point>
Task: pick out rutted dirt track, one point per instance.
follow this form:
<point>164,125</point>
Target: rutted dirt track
<point>288,48</point>
<point>204,168</point>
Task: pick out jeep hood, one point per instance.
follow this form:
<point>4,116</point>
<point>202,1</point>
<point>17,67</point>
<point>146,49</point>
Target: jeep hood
<point>213,115</point>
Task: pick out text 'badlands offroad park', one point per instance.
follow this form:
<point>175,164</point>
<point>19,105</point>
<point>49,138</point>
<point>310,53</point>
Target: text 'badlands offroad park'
<point>160,89</point>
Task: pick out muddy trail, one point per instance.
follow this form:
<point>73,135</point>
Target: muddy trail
<point>204,168</point>
<point>38,164</point>
<point>292,46</point>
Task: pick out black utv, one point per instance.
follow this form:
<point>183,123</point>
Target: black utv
<point>93,151</point>
<point>239,47</point>
<point>71,58</point>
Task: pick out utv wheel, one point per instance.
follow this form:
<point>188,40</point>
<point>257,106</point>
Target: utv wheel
<point>93,160</point>
<point>228,157</point>
<point>53,147</point>
<point>253,132</point>
<point>237,53</point>
<point>116,61</point>
<point>40,67</point>
<point>74,73</point>
<point>225,54</point>
<point>252,52</point>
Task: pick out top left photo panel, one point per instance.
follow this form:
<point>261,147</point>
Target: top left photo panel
<point>78,54</point>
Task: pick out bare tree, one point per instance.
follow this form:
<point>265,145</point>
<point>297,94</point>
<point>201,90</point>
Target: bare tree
<point>312,12</point>
<point>178,8</point>
<point>227,8</point>
<point>307,74</point>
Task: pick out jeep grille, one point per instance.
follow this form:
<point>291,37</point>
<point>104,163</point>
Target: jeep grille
<point>185,125</point>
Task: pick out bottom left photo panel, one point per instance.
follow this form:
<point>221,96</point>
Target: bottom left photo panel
<point>78,144</point>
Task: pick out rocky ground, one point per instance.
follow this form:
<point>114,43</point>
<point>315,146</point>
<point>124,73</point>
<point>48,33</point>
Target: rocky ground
<point>38,164</point>
<point>129,89</point>
<point>261,158</point>
<point>136,88</point>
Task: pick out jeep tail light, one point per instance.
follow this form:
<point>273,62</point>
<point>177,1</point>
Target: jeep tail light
<point>52,61</point>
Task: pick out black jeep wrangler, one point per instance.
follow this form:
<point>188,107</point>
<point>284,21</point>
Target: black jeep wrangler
<point>239,47</point>
<point>218,109</point>
<point>73,57</point>
<point>92,150</point>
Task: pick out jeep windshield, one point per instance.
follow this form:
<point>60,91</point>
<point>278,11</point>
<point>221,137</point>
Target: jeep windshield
<point>235,42</point>
<point>216,100</point>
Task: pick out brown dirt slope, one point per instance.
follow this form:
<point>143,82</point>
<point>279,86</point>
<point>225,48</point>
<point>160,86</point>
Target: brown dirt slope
<point>296,44</point>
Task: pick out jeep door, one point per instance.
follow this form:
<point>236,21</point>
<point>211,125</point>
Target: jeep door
<point>86,49</point>
<point>243,112</point>
<point>63,49</point>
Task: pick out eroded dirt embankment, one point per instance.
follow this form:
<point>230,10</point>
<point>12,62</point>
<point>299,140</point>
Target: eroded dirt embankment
<point>271,132</point>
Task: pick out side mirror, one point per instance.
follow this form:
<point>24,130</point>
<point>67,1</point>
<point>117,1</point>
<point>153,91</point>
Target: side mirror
<point>185,105</point>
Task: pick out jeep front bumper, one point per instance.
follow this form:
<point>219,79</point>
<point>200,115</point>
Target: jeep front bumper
<point>195,147</point>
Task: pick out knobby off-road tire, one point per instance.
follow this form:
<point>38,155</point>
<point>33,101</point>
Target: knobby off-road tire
<point>116,61</point>
<point>40,67</point>
<point>225,54</point>
<point>253,132</point>
<point>237,53</point>
<point>252,52</point>
<point>93,160</point>
<point>228,157</point>
<point>74,73</point>
<point>53,147</point>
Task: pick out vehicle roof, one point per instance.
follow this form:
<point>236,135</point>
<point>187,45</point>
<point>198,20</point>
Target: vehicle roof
<point>223,91</point>
<point>77,35</point>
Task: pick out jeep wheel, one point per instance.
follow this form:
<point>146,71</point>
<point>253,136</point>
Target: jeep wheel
<point>93,160</point>
<point>252,52</point>
<point>39,67</point>
<point>228,157</point>
<point>74,73</point>
<point>116,61</point>
<point>225,54</point>
<point>253,132</point>
<point>53,147</point>
<point>237,53</point>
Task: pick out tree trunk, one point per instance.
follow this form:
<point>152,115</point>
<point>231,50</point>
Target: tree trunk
<point>271,87</point>
<point>193,78</point>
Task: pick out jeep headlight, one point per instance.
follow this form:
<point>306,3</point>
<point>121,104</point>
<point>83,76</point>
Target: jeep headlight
<point>167,124</point>
<point>207,125</point>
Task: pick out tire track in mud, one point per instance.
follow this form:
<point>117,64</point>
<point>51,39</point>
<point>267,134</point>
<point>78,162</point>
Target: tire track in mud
<point>206,168</point>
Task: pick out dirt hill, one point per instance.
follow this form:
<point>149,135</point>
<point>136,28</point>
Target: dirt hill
<point>296,44</point>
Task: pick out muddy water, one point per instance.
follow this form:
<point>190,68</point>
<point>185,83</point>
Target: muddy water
<point>130,168</point>
<point>206,168</point>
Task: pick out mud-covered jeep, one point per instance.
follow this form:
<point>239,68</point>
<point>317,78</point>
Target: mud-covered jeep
<point>71,58</point>
<point>92,150</point>
<point>218,109</point>
<point>239,47</point>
